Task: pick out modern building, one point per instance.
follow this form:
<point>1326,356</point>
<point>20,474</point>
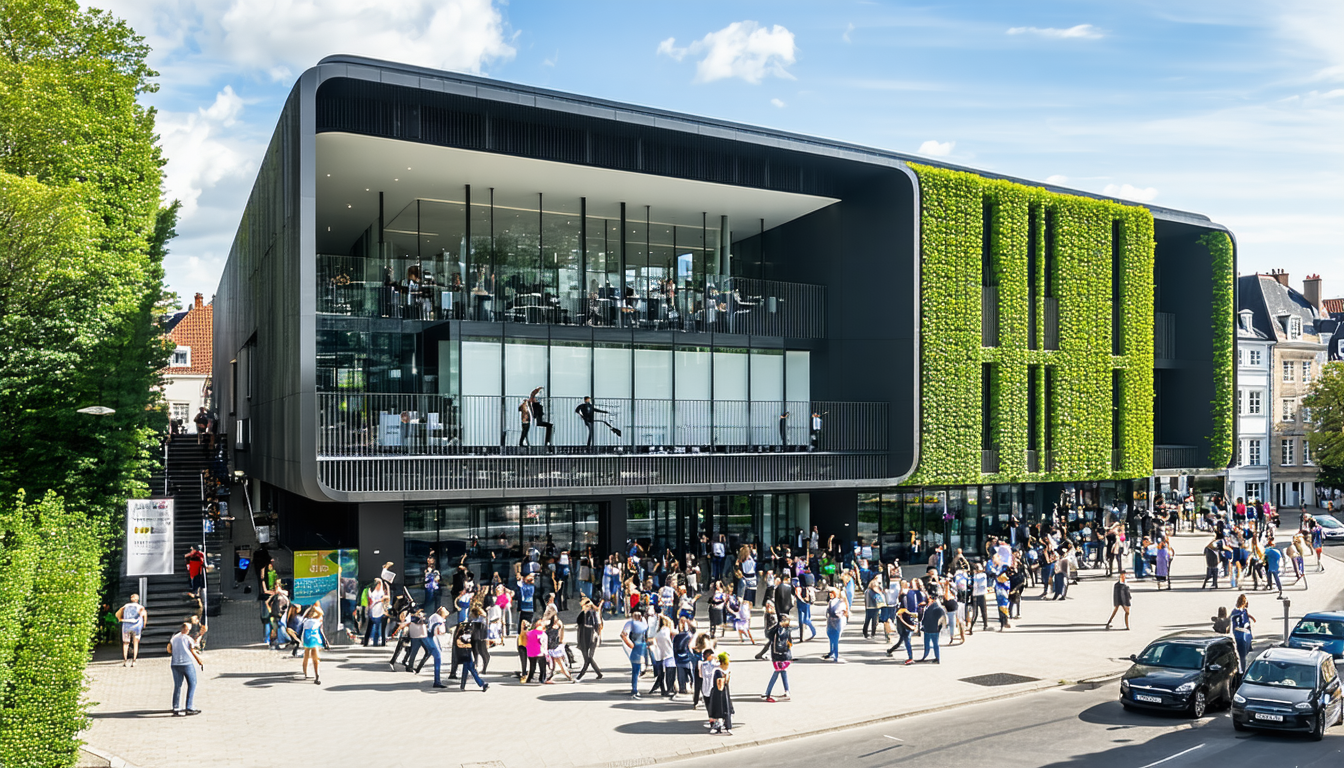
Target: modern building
<point>186,378</point>
<point>779,332</point>
<point>1299,331</point>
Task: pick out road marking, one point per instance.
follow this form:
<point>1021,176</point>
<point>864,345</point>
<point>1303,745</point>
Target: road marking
<point>893,738</point>
<point>1173,757</point>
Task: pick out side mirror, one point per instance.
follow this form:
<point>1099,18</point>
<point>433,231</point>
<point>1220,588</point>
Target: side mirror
<point>1215,667</point>
<point>1134,658</point>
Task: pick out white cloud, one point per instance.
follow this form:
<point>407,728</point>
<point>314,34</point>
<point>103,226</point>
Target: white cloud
<point>742,49</point>
<point>936,149</point>
<point>200,152</point>
<point>1130,192</point>
<point>1082,31</point>
<point>778,103</point>
<point>848,29</point>
<point>1057,180</point>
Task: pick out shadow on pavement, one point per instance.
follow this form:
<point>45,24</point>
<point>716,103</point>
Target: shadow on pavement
<point>684,727</point>
<point>131,714</point>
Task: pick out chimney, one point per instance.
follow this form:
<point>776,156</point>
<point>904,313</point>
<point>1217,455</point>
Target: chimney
<point>200,304</point>
<point>1311,291</point>
<point>1280,275</point>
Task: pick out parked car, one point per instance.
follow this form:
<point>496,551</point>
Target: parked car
<point>1289,689</point>
<point>1323,630</point>
<point>1185,671</point>
<point>1331,527</point>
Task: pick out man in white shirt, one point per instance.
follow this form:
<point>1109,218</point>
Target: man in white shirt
<point>185,660</point>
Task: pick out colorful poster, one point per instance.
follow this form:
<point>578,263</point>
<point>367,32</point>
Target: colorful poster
<point>149,537</point>
<point>325,577</point>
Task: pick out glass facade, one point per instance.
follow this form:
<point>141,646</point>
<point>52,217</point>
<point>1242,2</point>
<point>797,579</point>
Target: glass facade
<point>659,524</point>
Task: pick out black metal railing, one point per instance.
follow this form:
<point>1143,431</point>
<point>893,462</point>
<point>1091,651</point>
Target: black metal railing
<point>438,425</point>
<point>1177,457</point>
<point>399,288</point>
<point>989,461</point>
<point>1164,336</point>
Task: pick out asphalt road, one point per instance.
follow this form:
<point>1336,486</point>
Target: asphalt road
<point>1076,727</point>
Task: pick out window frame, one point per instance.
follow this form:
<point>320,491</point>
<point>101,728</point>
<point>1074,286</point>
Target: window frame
<point>1287,454</point>
<point>180,350</point>
<point>1289,371</point>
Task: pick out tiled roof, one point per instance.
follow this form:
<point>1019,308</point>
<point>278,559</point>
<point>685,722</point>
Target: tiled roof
<point>195,330</point>
<point>1333,306</point>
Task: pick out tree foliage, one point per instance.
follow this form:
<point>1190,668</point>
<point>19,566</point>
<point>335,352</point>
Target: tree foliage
<point>1325,430</point>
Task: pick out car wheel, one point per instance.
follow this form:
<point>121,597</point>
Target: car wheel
<point>1318,732</point>
<point>1199,704</point>
<point>1238,726</point>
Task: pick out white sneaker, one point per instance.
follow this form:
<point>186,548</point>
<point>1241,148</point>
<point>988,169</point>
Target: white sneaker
<point>841,661</point>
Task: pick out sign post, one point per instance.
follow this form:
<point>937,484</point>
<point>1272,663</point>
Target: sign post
<point>149,540</point>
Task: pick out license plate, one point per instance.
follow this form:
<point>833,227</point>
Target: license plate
<point>1149,699</point>
<point>1271,718</point>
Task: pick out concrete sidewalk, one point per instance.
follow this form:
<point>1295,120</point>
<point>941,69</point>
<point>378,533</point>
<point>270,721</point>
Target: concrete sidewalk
<point>253,697</point>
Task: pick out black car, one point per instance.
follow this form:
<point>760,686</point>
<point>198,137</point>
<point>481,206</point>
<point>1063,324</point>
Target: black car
<point>1289,689</point>
<point>1187,672</point>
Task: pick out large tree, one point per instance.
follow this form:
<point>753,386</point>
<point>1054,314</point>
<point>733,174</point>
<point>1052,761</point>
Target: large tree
<point>1325,430</point>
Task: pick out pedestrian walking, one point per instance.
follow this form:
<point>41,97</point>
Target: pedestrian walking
<point>195,559</point>
<point>536,652</point>
<point>1162,564</point>
<point>377,615</point>
<point>1120,597</point>
<point>1212,560</point>
<point>780,640</point>
<point>837,610</point>
<point>1002,599</point>
<point>721,699</point>
<point>313,639</point>
<point>1241,629</point>
<point>635,636</point>
<point>905,626</point>
<point>186,659</point>
<point>741,610</point>
<point>464,658</point>
<point>664,661</point>
<point>1273,566</point>
<point>1297,550</point>
<point>589,624</point>
<point>132,617</point>
<point>683,656</point>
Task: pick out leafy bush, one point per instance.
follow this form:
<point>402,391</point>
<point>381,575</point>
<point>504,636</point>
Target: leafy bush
<point>1220,443</point>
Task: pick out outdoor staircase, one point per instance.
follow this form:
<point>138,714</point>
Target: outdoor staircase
<point>167,600</point>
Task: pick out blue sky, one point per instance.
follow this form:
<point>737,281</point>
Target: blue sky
<point>1230,109</point>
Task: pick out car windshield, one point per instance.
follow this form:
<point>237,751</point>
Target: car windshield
<point>1329,522</point>
<point>1284,674</point>
<point>1174,655</point>
<point>1322,629</point>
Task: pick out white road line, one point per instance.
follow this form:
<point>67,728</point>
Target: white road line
<point>893,738</point>
<point>1173,757</point>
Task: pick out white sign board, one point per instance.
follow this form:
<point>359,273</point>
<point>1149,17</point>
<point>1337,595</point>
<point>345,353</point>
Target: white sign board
<point>149,537</point>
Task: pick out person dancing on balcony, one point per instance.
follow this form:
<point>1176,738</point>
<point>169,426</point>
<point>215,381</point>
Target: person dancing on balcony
<point>588,412</point>
<point>537,413</point>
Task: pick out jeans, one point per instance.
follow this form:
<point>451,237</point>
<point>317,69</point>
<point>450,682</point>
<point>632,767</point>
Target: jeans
<point>805,619</point>
<point>431,599</point>
<point>586,589</point>
<point>833,635</point>
<point>781,675</point>
<point>931,641</point>
<point>1243,640</point>
<point>636,662</point>
<point>431,648</point>
<point>904,639</point>
<point>716,568</point>
<point>184,673</point>
<point>1270,576</point>
<point>468,667</point>
<point>374,634</point>
<point>869,621</point>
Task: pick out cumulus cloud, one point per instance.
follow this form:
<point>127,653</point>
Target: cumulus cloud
<point>778,103</point>
<point>202,151</point>
<point>743,49</point>
<point>1057,180</point>
<point>1083,31</point>
<point>1130,192</point>
<point>937,149</point>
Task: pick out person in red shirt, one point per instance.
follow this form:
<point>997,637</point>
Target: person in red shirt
<point>195,570</point>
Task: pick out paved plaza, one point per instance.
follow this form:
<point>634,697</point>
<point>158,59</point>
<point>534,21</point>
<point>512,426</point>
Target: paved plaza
<point>251,696</point>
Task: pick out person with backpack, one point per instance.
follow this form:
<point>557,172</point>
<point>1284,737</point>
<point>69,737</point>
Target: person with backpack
<point>462,656</point>
<point>837,610</point>
<point>780,640</point>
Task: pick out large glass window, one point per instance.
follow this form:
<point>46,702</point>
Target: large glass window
<point>571,369</point>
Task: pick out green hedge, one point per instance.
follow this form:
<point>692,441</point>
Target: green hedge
<point>49,580</point>
<point>1220,442</point>
<point>952,225</point>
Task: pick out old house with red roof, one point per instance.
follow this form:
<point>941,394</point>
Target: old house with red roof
<point>187,375</point>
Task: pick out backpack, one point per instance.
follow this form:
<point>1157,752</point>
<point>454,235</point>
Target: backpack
<point>782,642</point>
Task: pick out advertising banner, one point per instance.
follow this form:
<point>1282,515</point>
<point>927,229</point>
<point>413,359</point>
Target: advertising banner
<point>149,537</point>
<point>324,576</point>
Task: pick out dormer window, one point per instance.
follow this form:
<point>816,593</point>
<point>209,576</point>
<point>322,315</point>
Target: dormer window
<point>181,358</point>
<point>1246,320</point>
<point>1294,327</point>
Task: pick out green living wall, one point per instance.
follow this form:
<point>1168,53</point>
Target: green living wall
<point>952,226</point>
<point>1220,442</point>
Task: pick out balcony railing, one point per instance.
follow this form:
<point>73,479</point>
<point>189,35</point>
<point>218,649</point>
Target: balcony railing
<point>1164,336</point>
<point>360,287</point>
<point>989,316</point>
<point>437,425</point>
<point>1051,323</point>
<point>989,461</point>
<point>1177,457</point>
